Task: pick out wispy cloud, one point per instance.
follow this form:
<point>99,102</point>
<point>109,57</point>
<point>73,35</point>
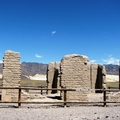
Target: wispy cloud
<point>53,32</point>
<point>1,61</point>
<point>111,60</point>
<point>38,56</point>
<point>93,61</point>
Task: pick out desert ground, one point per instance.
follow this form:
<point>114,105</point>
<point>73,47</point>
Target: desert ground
<point>58,112</point>
<point>109,78</point>
<point>40,112</point>
<point>112,78</point>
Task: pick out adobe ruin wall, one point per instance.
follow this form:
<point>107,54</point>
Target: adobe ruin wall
<point>11,75</point>
<point>53,79</point>
<point>77,72</point>
<point>74,71</point>
<point>97,76</point>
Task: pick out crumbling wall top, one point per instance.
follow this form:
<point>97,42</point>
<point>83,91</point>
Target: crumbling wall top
<point>55,65</point>
<point>9,52</point>
<point>82,58</point>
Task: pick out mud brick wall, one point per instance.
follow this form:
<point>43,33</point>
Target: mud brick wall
<point>11,75</point>
<point>104,77</point>
<point>93,75</point>
<point>75,73</point>
<point>97,76</point>
<point>101,77</point>
<point>53,79</point>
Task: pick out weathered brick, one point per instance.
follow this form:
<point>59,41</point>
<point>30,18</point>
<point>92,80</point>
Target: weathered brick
<point>11,75</point>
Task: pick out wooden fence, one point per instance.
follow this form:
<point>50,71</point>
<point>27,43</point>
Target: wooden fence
<point>65,96</point>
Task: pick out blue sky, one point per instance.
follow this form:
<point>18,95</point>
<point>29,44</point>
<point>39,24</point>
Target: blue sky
<point>46,30</point>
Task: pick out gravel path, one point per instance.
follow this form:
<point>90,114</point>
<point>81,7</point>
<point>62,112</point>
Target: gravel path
<point>47,112</point>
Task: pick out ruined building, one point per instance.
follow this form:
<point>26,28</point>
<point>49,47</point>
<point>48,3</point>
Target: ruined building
<point>11,78</point>
<point>11,75</point>
<point>76,72</point>
<point>53,78</point>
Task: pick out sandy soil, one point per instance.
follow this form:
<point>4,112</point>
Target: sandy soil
<point>38,77</point>
<point>59,113</point>
<point>109,78</point>
<point>112,78</point>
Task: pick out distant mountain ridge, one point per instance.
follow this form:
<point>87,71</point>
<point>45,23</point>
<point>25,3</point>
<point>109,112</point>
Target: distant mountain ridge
<point>33,68</point>
<point>112,69</point>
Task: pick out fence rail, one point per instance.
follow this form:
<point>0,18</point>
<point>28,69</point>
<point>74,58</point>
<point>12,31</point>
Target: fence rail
<point>64,102</point>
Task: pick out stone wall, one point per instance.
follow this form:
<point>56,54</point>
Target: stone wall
<point>75,73</point>
<point>93,74</point>
<point>53,79</point>
<point>104,78</point>
<point>101,80</point>
<point>11,75</point>
<point>97,76</point>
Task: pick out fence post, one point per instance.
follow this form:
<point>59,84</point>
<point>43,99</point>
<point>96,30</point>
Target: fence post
<point>41,90</point>
<point>47,91</point>
<point>19,98</point>
<point>104,97</point>
<point>65,98</point>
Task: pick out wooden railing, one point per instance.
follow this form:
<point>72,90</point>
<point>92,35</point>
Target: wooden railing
<point>40,86</point>
<point>64,102</point>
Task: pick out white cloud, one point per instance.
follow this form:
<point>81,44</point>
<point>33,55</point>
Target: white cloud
<point>111,60</point>
<point>1,61</point>
<point>53,32</point>
<point>38,56</point>
<point>93,61</point>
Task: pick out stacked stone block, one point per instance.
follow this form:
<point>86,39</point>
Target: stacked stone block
<point>53,78</point>
<point>11,75</point>
<point>93,74</point>
<point>97,76</point>
<point>75,73</point>
<point>104,86</point>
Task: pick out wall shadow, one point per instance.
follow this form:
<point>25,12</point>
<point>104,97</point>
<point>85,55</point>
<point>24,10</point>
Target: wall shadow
<point>55,80</point>
<point>99,79</point>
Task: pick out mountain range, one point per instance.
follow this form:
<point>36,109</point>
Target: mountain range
<point>33,68</point>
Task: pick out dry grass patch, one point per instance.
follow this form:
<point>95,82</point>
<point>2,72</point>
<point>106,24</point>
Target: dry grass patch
<point>43,82</point>
<point>31,82</point>
<point>112,84</point>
